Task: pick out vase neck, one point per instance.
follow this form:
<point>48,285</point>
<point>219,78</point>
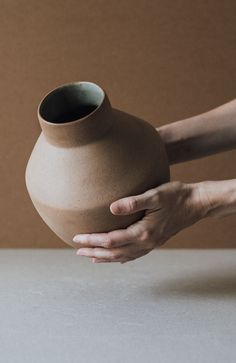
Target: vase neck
<point>75,114</point>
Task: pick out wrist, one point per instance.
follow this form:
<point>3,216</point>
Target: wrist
<point>199,199</point>
<point>218,197</point>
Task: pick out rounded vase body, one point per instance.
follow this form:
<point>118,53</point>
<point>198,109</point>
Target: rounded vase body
<point>88,155</point>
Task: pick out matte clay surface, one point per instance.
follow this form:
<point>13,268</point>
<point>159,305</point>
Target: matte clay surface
<point>78,168</point>
<point>160,60</point>
<point>167,307</point>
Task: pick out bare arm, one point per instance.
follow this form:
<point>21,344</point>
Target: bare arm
<point>168,208</point>
<point>172,206</point>
<point>219,196</point>
<point>202,135</point>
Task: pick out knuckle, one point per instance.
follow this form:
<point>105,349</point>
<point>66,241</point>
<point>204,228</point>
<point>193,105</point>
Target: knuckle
<point>143,236</point>
<point>153,196</point>
<point>114,255</point>
<point>133,232</point>
<point>96,251</point>
<point>107,244</point>
<point>151,192</point>
<point>133,203</point>
<point>146,235</point>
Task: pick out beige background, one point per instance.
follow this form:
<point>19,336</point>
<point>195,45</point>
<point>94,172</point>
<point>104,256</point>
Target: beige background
<point>160,60</point>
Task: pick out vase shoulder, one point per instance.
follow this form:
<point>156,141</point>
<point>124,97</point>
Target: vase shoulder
<point>128,158</point>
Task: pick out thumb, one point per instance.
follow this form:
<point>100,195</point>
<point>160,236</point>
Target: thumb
<point>133,204</point>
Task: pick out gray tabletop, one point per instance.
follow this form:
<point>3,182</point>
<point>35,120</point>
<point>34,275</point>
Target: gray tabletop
<point>169,306</point>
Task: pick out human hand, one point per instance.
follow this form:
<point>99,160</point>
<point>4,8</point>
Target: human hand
<point>169,208</point>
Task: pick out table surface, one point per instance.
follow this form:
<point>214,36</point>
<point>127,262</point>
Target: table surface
<point>169,306</point>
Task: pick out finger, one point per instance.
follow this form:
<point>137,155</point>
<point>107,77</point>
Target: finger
<point>99,260</point>
<point>113,255</point>
<point>117,238</point>
<point>135,203</point>
<point>103,260</point>
<point>92,239</point>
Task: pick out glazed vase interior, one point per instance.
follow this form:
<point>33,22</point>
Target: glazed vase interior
<point>71,102</point>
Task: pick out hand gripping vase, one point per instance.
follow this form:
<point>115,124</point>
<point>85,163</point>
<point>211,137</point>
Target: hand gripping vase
<point>87,156</point>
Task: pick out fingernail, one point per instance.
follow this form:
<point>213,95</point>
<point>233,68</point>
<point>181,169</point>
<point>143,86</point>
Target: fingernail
<point>80,238</point>
<point>115,210</point>
<point>79,252</point>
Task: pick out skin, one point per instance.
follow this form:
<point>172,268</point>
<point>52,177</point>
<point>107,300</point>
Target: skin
<point>173,206</point>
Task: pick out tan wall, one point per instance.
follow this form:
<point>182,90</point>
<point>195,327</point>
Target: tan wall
<point>160,60</point>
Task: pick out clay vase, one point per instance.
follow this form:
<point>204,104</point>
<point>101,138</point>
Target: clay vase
<point>88,155</point>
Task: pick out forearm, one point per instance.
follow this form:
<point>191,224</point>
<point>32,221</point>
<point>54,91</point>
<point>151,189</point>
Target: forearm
<point>218,197</point>
<point>202,135</point>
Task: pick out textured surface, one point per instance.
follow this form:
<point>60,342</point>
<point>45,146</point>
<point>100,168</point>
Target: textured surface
<point>169,306</point>
<point>159,60</point>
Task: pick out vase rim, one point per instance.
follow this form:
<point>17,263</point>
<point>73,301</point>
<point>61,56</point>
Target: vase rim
<point>63,124</point>
<point>64,86</point>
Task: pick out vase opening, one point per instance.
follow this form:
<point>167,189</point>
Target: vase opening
<point>71,102</point>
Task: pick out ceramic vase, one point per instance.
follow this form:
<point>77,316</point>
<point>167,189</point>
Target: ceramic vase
<point>88,155</point>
